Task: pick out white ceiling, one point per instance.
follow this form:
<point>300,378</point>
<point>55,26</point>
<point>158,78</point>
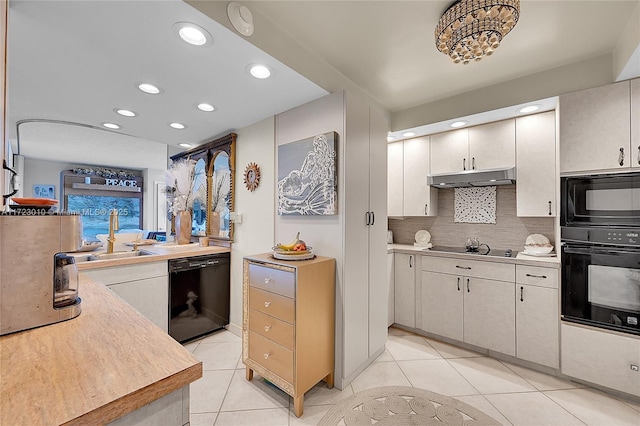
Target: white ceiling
<point>78,60</point>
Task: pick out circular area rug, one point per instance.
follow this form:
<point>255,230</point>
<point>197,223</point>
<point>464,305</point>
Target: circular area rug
<point>402,405</point>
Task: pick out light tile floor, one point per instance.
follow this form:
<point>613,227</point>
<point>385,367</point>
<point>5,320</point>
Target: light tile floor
<point>511,394</point>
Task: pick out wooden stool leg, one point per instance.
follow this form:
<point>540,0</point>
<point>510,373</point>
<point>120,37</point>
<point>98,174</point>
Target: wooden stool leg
<point>249,374</point>
<point>298,402</point>
<point>329,380</point>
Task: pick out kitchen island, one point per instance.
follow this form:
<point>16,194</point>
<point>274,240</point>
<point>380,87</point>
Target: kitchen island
<point>98,367</point>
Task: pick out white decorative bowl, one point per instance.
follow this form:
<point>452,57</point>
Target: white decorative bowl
<point>538,249</point>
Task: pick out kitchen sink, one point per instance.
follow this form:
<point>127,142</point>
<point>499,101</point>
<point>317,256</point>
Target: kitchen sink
<point>108,256</point>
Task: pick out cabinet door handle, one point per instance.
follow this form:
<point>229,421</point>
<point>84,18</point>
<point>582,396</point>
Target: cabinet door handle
<point>549,208</point>
<point>367,217</point>
<point>463,267</point>
<point>410,261</point>
<point>468,290</point>
<point>464,164</point>
<point>638,154</point>
<point>537,276</point>
<point>521,294</point>
<point>267,327</point>
<point>621,157</point>
<point>426,206</point>
<point>266,355</point>
<point>458,283</point>
<point>473,163</point>
<point>373,218</point>
<point>266,304</point>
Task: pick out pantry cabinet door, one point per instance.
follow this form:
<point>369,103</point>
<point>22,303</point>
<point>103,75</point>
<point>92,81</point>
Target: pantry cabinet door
<point>594,128</point>
<point>489,314</point>
<point>442,304</point>
<point>450,152</point>
<point>493,145</point>
<point>536,159</point>
<point>394,179</point>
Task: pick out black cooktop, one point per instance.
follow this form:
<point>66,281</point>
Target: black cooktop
<point>480,252</point>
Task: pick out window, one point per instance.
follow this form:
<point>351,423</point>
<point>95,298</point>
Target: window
<point>94,197</point>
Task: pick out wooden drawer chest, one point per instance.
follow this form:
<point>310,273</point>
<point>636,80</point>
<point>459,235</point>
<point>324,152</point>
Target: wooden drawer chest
<point>288,322</point>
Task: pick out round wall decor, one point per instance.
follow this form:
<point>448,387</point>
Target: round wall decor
<point>252,176</point>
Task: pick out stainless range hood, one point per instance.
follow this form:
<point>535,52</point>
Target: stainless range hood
<point>469,178</point>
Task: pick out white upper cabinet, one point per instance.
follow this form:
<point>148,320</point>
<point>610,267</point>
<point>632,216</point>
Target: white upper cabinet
<point>595,129</point>
<point>420,199</point>
<point>536,159</point>
<point>492,145</point>
<point>449,151</point>
<point>488,146</point>
<point>407,170</point>
<point>634,154</point>
<point>395,200</point>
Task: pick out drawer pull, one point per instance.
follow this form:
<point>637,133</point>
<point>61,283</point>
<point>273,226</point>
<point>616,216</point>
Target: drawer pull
<point>463,267</point>
<point>537,276</point>
<point>266,355</point>
<point>266,304</point>
<point>268,280</point>
<point>267,327</point>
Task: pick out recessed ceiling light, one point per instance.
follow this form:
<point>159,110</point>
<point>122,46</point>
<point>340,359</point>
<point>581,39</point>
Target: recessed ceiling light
<point>206,107</point>
<point>192,33</point>
<point>178,126</point>
<point>259,71</point>
<point>457,124</point>
<point>111,125</point>
<point>390,138</point>
<point>185,145</point>
<point>529,108</point>
<point>408,134</point>
<point>126,112</point>
<point>149,88</point>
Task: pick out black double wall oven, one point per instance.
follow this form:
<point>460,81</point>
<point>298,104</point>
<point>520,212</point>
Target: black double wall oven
<point>600,232</point>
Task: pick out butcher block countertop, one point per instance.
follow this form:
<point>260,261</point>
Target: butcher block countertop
<point>92,369</point>
<point>155,253</point>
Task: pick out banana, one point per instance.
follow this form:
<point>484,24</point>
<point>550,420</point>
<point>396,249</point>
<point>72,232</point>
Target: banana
<point>289,246</point>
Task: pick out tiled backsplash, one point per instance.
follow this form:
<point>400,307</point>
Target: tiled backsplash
<point>509,231</point>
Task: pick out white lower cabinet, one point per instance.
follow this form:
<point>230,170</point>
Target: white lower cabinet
<point>476,308</point>
<point>489,315</point>
<point>442,311</point>
<point>144,286</point>
<point>537,317</point>
<point>404,268</point>
<point>601,357</point>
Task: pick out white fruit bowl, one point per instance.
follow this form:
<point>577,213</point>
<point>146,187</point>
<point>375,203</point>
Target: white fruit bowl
<point>538,249</point>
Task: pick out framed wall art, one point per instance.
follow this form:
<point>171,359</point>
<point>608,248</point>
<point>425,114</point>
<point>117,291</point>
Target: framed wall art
<point>307,183</point>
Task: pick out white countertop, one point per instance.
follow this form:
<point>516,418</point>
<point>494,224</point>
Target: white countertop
<point>520,259</point>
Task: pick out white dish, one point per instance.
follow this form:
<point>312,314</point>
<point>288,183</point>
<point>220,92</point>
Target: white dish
<point>89,246</point>
<point>423,237</point>
<point>293,256</point>
<point>539,254</point>
<point>538,249</point>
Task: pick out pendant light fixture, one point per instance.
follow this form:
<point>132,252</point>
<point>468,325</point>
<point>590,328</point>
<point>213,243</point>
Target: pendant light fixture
<point>472,29</point>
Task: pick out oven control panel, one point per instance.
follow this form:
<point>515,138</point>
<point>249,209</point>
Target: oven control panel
<point>604,235</point>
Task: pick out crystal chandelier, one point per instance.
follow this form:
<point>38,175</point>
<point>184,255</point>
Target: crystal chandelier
<point>471,29</point>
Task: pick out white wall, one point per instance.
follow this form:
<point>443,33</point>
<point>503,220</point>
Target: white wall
<point>323,233</point>
<point>254,144</point>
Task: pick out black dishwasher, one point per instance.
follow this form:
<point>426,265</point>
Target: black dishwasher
<point>199,289</point>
